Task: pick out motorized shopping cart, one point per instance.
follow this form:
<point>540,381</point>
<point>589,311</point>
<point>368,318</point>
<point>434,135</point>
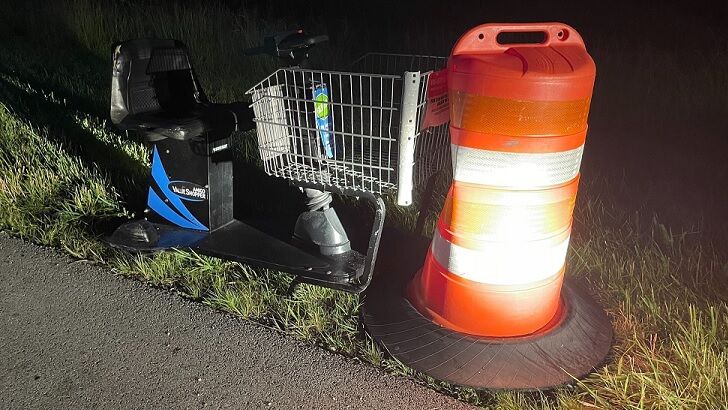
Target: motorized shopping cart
<point>378,129</point>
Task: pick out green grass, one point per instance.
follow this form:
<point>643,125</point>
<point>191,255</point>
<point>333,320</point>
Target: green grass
<point>66,176</point>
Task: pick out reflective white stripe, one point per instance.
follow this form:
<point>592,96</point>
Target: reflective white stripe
<point>515,169</point>
<point>501,263</point>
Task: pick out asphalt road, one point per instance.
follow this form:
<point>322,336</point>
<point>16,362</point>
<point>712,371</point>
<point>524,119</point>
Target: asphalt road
<point>73,335</point>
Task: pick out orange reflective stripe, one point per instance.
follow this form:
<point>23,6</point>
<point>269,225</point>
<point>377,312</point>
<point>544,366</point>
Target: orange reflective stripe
<point>476,210</point>
<point>516,143</point>
<point>478,193</point>
<point>492,115</point>
<point>484,240</point>
<point>504,222</point>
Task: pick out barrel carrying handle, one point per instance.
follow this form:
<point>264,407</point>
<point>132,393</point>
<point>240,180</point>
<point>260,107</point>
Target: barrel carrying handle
<point>483,39</point>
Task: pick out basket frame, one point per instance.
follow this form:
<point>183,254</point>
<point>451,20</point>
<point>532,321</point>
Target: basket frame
<point>375,122</point>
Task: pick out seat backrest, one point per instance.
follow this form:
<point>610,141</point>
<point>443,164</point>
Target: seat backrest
<point>153,76</point>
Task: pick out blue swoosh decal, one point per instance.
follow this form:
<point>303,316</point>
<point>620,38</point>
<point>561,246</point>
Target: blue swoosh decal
<point>160,177</point>
<point>157,204</point>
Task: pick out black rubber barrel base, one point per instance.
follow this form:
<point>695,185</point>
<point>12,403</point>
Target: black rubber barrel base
<point>557,356</point>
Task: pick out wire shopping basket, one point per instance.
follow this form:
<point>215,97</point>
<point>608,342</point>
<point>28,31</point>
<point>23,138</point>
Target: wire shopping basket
<point>381,128</point>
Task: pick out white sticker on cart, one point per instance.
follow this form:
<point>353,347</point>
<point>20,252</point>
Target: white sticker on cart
<point>437,111</point>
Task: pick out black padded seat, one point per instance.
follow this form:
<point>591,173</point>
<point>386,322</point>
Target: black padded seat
<point>154,90</point>
<point>217,119</point>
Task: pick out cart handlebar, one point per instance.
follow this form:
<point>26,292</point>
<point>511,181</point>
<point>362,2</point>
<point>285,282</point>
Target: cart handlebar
<point>291,46</point>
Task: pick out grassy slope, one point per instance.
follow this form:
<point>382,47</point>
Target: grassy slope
<point>65,175</point>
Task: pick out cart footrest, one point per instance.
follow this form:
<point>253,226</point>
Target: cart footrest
<point>241,242</point>
<point>238,241</point>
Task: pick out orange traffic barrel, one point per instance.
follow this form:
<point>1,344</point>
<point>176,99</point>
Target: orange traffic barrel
<point>493,274</point>
<point>518,117</point>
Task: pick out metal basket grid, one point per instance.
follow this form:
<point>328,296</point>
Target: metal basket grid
<point>371,137</point>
